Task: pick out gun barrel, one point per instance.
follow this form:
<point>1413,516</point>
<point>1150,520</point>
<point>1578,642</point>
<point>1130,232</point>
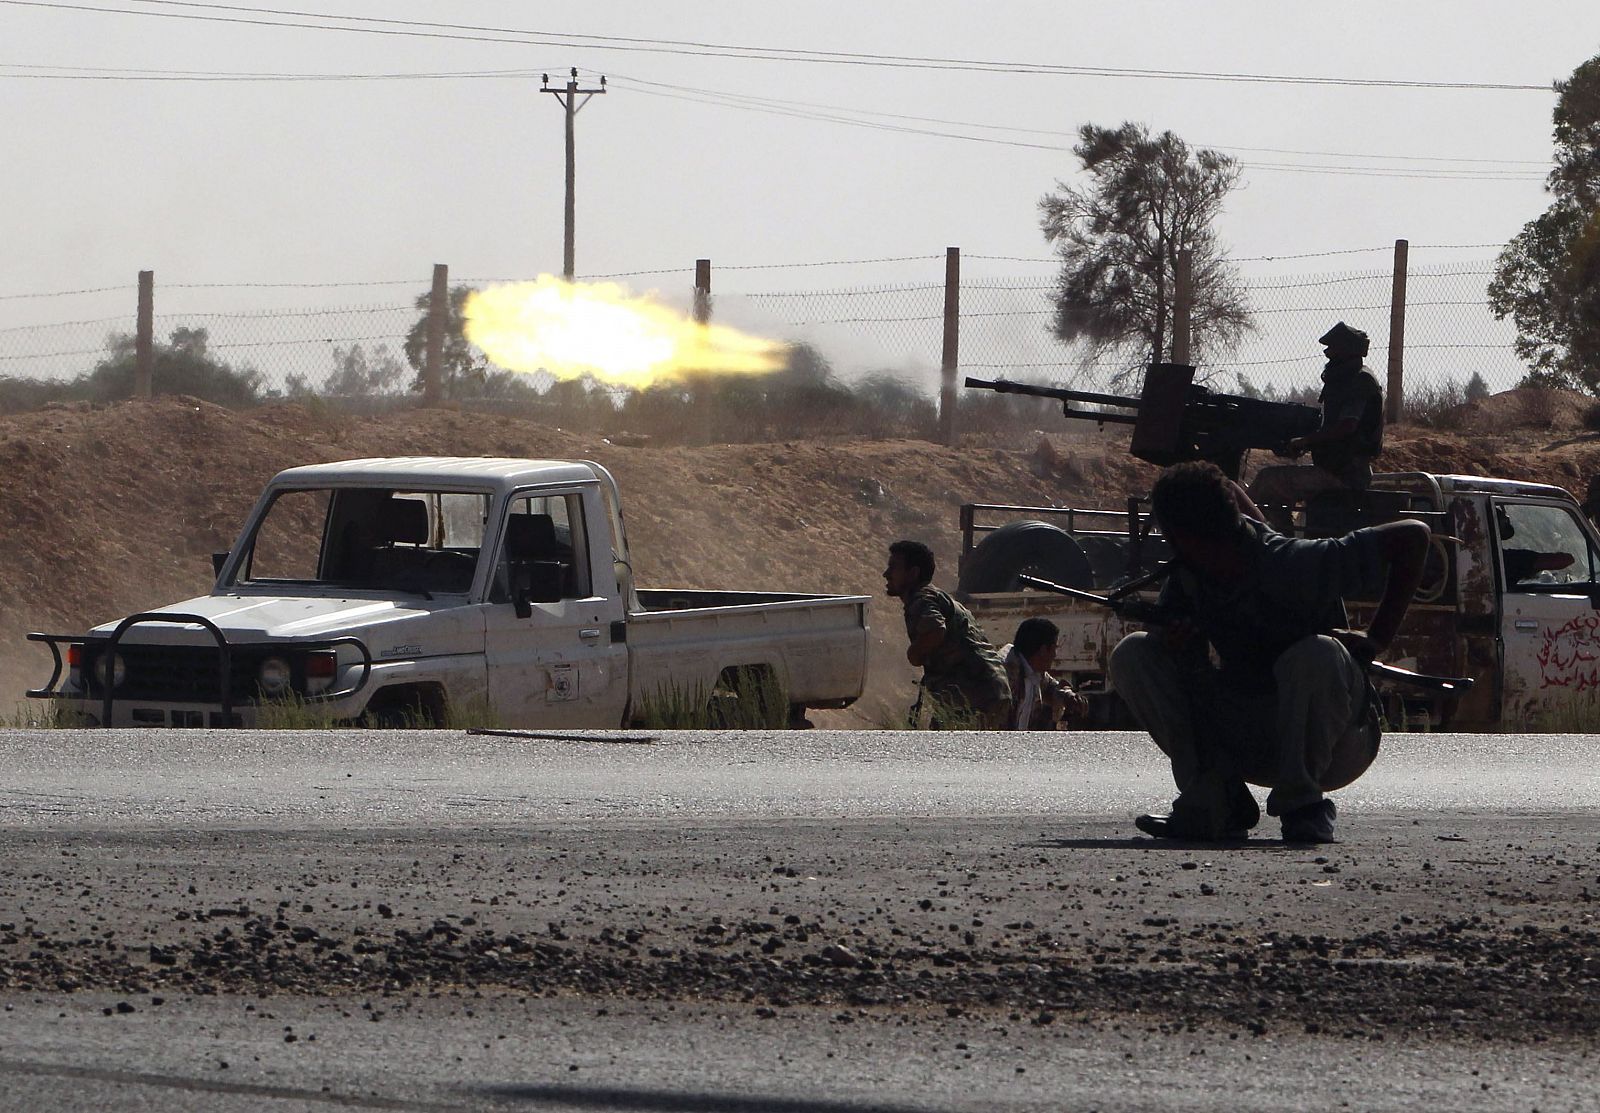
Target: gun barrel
<point>1102,417</point>
<point>1006,386</point>
<point>1062,589</point>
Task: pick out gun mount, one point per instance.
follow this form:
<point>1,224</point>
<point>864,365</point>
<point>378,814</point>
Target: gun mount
<point>1176,419</point>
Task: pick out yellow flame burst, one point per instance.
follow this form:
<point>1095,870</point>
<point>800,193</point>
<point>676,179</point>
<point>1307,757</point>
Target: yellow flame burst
<point>571,329</point>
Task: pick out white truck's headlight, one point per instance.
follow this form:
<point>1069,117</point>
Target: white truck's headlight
<point>274,676</point>
<point>119,670</point>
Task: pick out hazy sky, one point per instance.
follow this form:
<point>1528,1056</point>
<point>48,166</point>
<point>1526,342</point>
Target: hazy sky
<point>347,180</point>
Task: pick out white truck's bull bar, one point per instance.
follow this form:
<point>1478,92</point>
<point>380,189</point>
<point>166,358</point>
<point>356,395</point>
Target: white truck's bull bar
<point>225,651</point>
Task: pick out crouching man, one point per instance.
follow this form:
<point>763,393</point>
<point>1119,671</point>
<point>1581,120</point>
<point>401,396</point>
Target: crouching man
<point>1290,707</point>
<point>961,672</point>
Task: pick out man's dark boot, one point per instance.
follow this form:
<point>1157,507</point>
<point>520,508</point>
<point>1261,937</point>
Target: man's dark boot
<point>1310,823</point>
<point>1243,811</point>
<point>1191,821</point>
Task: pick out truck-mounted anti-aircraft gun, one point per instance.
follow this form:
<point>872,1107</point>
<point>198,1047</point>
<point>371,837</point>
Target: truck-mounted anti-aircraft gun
<point>1176,419</point>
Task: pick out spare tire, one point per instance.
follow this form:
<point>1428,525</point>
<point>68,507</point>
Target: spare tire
<point>1108,557</point>
<point>1035,548</point>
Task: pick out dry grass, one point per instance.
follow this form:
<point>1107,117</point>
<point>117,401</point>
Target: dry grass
<point>1437,407</point>
<point>743,699</point>
<point>35,715</point>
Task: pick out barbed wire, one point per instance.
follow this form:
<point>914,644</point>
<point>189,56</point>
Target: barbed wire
<point>291,314</point>
<point>1410,304</point>
<point>831,263</point>
<point>53,355</point>
<point>66,324</point>
<point>1387,248</point>
<point>681,269</point>
<point>66,293</point>
<point>309,340</point>
<point>850,291</point>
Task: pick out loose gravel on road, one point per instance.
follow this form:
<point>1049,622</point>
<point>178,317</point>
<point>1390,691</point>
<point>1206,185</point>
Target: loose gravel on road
<point>1410,932</point>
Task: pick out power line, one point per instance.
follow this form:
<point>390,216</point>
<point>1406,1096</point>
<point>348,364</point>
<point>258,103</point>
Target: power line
<point>528,73</point>
<point>755,105</point>
<point>1398,172</point>
<point>114,73</point>
<point>759,100</point>
<point>811,111</point>
<point>694,48</point>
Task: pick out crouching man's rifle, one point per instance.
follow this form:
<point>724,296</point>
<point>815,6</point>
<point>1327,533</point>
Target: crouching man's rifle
<point>1154,614</point>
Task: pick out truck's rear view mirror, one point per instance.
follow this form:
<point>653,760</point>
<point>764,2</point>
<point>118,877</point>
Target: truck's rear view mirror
<point>217,561</point>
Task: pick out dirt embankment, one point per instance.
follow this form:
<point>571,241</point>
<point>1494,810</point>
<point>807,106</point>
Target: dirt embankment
<point>109,510</point>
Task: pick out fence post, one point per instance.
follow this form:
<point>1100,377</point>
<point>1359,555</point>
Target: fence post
<point>702,291</point>
<point>703,398</point>
<point>1397,335</point>
<point>438,314</point>
<point>144,340</point>
<point>952,345</point>
<point>1182,302</point>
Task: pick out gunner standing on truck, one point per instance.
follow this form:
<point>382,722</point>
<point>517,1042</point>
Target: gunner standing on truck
<point>961,671</point>
<point>1343,446</point>
<point>1290,706</point>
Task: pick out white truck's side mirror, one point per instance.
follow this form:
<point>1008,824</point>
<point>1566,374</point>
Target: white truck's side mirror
<point>537,581</point>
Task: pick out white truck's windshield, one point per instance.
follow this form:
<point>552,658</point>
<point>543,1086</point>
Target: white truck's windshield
<point>369,538</point>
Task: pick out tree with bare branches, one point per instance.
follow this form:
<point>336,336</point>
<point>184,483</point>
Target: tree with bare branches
<point>1118,237</point>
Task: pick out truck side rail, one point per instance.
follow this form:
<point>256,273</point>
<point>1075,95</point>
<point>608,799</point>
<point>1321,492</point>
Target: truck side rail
<point>1396,479</point>
<point>225,652</point>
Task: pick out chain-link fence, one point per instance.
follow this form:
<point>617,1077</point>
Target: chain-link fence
<point>1450,333</point>
<point>243,343</point>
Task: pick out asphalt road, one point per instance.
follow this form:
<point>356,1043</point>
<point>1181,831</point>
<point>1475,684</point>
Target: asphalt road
<point>312,780</point>
<point>803,922</point>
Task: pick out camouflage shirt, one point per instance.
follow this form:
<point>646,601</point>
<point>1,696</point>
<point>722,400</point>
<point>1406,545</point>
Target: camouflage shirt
<point>964,664</point>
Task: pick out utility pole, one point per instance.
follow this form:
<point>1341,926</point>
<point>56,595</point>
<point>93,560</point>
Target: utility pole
<point>568,97</point>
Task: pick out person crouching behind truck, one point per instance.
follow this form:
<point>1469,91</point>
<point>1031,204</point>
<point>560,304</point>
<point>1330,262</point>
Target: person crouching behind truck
<point>1290,707</point>
<point>961,672</point>
<point>1038,700</point>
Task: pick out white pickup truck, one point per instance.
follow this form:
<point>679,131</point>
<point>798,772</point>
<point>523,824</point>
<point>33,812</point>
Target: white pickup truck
<point>1510,598</point>
<point>400,591</point>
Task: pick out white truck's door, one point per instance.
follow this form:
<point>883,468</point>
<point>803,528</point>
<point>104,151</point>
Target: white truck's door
<point>1549,628</point>
<point>561,662</point>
